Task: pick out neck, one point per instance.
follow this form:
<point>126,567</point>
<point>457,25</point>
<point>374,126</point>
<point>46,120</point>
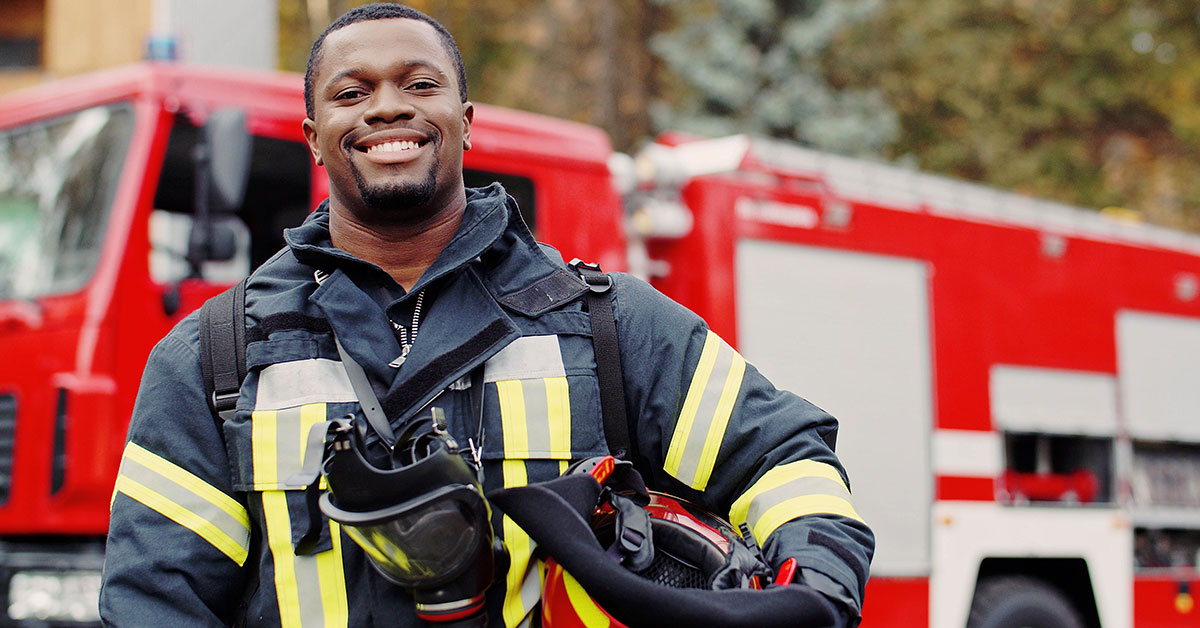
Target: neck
<point>403,250</point>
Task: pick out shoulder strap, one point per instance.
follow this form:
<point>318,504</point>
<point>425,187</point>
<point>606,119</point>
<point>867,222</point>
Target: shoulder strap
<point>223,348</point>
<point>608,356</point>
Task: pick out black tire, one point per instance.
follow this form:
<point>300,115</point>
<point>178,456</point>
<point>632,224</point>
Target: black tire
<point>1021,602</point>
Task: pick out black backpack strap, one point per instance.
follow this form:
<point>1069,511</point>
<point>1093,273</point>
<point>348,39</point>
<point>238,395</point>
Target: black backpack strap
<point>608,356</point>
<point>223,348</point>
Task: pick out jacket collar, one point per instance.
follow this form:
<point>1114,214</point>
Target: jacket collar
<point>463,325</point>
<point>484,221</point>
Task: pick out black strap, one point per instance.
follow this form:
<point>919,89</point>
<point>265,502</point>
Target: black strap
<point>608,356</point>
<point>223,327</point>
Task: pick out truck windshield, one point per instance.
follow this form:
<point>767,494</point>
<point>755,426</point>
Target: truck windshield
<point>57,180</point>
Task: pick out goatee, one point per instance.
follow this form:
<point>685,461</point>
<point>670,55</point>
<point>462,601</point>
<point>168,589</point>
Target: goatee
<point>391,196</point>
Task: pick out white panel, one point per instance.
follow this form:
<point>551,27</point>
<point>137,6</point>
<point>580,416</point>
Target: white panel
<point>850,333</point>
<point>965,533</point>
<point>1028,399</point>
<point>1158,366</point>
<point>967,453</point>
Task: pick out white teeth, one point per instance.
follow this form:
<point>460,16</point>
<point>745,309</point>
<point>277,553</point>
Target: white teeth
<point>393,147</point>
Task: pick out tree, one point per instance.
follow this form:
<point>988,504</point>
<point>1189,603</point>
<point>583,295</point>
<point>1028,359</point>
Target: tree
<point>1090,102</point>
<point>759,66</point>
<point>581,60</point>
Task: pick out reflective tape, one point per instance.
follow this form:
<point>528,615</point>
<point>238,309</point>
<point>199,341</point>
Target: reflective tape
<point>535,417</point>
<point>795,489</point>
<point>278,439</point>
<point>311,590</point>
<point>184,498</point>
<point>707,407</point>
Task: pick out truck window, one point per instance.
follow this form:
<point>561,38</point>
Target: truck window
<point>57,180</point>
<point>277,197</point>
<point>518,187</point>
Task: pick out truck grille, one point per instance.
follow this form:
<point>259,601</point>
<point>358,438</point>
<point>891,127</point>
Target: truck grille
<point>8,427</point>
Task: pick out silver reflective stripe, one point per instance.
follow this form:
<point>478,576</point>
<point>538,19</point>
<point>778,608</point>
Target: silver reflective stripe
<point>185,499</point>
<point>795,489</point>
<point>527,357</point>
<point>289,384</point>
<point>705,414</point>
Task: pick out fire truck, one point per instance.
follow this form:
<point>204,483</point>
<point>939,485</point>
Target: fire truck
<point>1015,379</point>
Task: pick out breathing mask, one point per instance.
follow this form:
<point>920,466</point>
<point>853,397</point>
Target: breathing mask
<point>419,515</point>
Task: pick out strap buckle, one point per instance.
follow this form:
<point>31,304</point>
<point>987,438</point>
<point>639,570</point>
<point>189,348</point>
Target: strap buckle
<point>591,274</point>
<point>225,400</point>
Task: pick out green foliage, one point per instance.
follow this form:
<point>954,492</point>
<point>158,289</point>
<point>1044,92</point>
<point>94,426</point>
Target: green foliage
<point>1091,102</point>
<point>758,66</point>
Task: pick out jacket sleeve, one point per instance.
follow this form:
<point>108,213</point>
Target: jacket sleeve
<point>709,427</point>
<point>178,536</point>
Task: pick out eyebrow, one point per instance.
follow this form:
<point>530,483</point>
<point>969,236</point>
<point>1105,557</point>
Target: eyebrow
<point>407,67</point>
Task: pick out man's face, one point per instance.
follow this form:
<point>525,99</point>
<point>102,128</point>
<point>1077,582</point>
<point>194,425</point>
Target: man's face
<point>390,128</point>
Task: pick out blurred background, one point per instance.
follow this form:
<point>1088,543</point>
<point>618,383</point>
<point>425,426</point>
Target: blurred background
<point>1088,102</point>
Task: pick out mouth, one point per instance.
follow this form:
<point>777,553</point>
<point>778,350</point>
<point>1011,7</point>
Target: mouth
<point>395,146</point>
<point>392,142</point>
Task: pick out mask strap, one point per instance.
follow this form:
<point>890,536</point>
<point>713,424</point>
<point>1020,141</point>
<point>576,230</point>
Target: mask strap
<point>366,397</point>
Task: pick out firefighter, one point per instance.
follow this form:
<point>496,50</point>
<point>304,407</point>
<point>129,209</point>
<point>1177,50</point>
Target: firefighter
<point>452,312</point>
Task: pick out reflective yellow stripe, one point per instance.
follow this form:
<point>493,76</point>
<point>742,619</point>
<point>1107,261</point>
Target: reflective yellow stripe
<point>705,414</point>
<point>264,444</point>
<point>236,551</point>
<point>520,548</point>
<point>792,490</point>
<point>585,607</point>
<point>279,539</point>
<point>512,418</point>
<point>691,403</point>
<point>716,431</point>
<point>798,507</point>
<point>311,590</point>
<point>523,580</point>
<point>558,411</point>
<point>195,485</point>
<point>184,498</point>
<point>333,581</point>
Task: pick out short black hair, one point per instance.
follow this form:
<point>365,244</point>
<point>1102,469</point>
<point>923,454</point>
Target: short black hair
<point>378,11</point>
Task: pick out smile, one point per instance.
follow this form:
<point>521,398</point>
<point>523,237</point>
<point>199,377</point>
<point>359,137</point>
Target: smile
<point>393,147</point>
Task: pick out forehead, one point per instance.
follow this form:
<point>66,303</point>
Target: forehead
<point>384,42</point>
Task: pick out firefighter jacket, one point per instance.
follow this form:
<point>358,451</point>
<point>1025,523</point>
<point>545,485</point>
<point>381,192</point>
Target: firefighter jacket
<point>205,522</point>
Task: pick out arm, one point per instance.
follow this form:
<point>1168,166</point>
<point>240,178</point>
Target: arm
<point>178,535</point>
<point>710,428</point>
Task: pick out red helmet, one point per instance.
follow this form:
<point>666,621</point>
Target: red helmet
<point>691,548</point>
<point>657,537</point>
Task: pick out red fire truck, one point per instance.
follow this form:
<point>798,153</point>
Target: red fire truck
<point>1018,382</point>
<point>1015,379</point>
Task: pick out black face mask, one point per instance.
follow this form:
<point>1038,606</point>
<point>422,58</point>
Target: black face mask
<point>420,516</point>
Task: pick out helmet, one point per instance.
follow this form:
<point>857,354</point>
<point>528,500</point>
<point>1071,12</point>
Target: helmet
<point>692,549</point>
<point>632,557</point>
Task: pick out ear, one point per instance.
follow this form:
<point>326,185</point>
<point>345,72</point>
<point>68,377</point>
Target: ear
<point>310,135</point>
<point>468,117</point>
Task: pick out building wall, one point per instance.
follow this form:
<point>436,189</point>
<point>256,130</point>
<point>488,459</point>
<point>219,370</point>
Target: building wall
<point>77,36</point>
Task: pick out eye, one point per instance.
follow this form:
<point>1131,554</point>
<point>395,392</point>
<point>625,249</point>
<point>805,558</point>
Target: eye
<point>423,84</point>
<point>350,93</point>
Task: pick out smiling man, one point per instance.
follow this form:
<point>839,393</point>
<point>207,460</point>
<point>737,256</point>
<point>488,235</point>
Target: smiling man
<point>407,302</point>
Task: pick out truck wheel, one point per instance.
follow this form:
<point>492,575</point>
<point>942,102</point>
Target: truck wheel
<point>1021,602</point>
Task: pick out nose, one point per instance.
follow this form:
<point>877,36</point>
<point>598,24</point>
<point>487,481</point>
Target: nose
<point>388,103</point>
